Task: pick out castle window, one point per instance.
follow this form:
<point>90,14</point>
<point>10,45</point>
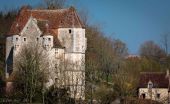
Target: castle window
<point>56,51</point>
<point>69,30</point>
<point>158,96</point>
<point>49,39</point>
<point>143,96</point>
<point>24,39</point>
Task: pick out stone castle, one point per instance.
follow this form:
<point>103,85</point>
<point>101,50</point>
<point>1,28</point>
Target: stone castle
<point>61,34</point>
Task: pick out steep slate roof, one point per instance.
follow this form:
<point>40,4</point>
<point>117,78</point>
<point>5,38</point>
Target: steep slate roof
<point>158,79</point>
<point>60,18</point>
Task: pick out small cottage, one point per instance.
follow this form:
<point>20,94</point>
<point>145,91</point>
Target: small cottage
<point>154,86</point>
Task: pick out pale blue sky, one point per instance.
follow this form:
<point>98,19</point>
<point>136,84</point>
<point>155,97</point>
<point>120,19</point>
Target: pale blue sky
<point>132,21</point>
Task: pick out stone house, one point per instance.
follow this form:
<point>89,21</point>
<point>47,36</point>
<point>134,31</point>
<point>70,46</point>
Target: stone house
<point>154,86</point>
<point>61,34</point>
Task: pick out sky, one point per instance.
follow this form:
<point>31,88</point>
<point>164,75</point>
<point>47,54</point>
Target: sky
<point>132,21</point>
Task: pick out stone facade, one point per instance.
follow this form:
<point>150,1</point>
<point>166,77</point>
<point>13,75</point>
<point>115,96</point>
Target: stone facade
<point>157,94</point>
<point>154,86</point>
<point>64,43</point>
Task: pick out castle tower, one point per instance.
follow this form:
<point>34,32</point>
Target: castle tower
<point>61,34</point>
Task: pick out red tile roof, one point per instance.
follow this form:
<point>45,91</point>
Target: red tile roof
<point>60,18</point>
<point>66,18</point>
<point>158,79</point>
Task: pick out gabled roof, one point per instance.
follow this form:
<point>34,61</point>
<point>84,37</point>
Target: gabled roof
<point>158,79</point>
<point>60,18</point>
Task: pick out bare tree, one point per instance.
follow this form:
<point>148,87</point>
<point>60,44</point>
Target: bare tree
<point>152,50</point>
<point>166,42</point>
<point>32,70</point>
<point>124,81</point>
<point>55,4</point>
<point>120,48</point>
<point>84,15</point>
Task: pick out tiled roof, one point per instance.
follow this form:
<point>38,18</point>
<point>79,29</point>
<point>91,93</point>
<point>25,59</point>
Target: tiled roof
<point>66,18</point>
<point>158,79</point>
<point>60,18</point>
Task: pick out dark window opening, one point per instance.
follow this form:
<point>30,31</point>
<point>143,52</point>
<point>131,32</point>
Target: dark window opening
<point>24,39</point>
<point>143,96</point>
<point>49,39</point>
<point>69,30</point>
<point>37,39</point>
<point>150,85</point>
<point>16,39</point>
<point>158,96</point>
<point>56,66</point>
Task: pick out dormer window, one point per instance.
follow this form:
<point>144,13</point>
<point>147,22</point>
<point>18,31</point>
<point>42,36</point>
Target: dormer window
<point>150,85</point>
<point>69,30</point>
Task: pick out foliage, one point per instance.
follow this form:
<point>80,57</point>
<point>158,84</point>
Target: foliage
<point>54,4</point>
<point>31,72</point>
<point>105,62</point>
<point>151,50</point>
<point>58,96</point>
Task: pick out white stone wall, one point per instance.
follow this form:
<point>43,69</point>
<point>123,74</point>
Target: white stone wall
<point>66,65</point>
<point>162,91</point>
<point>47,42</point>
<point>73,39</point>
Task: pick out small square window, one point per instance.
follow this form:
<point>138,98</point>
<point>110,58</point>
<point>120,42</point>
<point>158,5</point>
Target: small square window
<point>158,96</point>
<point>24,39</point>
<point>49,39</point>
<point>69,30</point>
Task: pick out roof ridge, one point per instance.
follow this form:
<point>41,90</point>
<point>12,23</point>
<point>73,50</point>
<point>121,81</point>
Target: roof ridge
<point>49,10</point>
<point>152,72</point>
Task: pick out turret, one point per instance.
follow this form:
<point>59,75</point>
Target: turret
<point>16,40</point>
<point>73,39</point>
